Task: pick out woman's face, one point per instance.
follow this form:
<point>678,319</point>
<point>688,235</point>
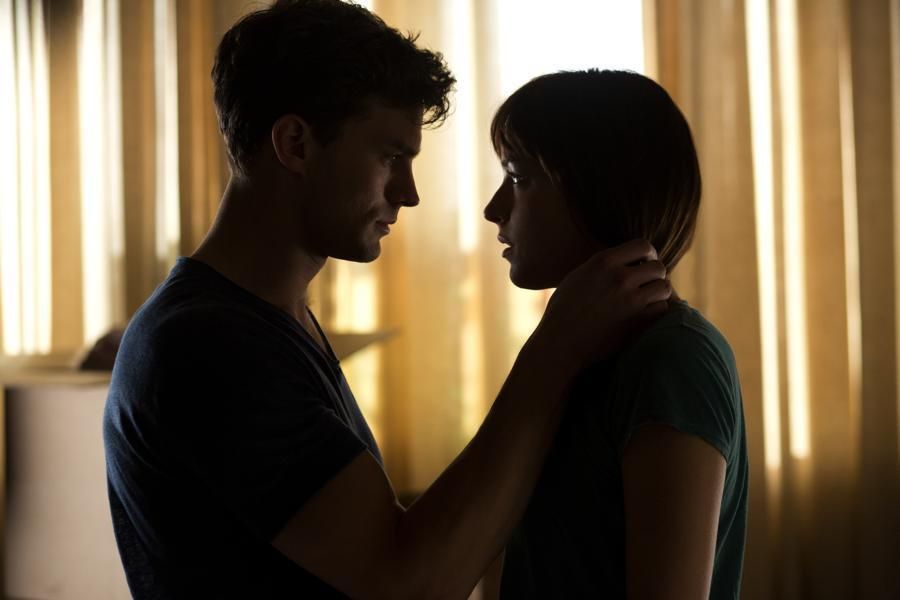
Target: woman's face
<point>545,242</point>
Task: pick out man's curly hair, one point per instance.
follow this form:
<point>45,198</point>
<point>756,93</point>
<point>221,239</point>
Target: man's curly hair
<point>322,60</point>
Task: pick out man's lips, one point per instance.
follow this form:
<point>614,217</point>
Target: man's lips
<point>384,226</point>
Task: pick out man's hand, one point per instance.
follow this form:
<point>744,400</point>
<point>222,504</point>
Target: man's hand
<point>600,302</point>
<point>353,533</point>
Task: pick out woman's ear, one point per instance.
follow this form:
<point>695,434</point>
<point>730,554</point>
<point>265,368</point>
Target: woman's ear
<point>293,142</point>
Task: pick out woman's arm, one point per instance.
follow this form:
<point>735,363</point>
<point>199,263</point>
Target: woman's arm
<point>673,485</point>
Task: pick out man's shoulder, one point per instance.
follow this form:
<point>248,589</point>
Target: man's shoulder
<point>167,323</point>
<point>180,332</point>
<point>190,308</point>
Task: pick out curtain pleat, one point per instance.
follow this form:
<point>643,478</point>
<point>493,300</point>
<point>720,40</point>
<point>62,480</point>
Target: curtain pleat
<point>65,175</point>
<point>873,82</point>
<point>423,364</point>
<point>203,166</point>
<point>142,273</point>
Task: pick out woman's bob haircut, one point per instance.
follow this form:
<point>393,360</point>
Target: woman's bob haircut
<point>618,148</point>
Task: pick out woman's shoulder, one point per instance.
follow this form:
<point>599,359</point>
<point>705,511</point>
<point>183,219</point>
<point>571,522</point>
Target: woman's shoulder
<point>683,338</point>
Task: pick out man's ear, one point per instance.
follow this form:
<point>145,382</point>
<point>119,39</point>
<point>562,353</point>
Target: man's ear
<point>293,142</point>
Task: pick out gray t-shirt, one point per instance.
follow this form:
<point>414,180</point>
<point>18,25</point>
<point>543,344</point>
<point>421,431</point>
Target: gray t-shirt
<point>571,541</point>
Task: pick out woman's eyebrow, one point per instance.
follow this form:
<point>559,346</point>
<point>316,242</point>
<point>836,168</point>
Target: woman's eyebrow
<point>515,164</point>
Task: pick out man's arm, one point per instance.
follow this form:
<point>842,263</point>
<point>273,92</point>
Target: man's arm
<point>353,533</point>
<point>673,484</point>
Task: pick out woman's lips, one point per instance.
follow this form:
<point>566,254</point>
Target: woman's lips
<point>504,240</point>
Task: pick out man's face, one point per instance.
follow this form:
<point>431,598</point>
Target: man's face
<point>544,241</point>
<point>358,182</point>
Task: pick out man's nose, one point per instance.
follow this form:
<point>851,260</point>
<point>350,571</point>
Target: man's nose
<point>402,188</point>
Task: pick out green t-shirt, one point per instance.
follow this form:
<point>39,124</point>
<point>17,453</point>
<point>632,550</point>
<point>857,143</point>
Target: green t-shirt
<point>571,541</point>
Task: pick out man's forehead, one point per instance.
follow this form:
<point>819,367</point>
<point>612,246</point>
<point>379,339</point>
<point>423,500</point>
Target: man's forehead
<point>376,110</point>
<point>391,125</point>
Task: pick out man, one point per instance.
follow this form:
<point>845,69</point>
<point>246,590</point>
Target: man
<point>239,463</point>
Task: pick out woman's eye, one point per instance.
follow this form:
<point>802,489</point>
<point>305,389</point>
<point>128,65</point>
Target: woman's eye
<point>515,178</point>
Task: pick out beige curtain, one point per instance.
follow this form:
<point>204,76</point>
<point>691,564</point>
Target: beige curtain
<point>445,296</point>
<point>190,31</point>
<point>136,165</point>
<point>794,109</point>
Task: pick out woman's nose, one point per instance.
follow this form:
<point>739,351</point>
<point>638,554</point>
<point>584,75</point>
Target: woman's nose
<point>495,211</point>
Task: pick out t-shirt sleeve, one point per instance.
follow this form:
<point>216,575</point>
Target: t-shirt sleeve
<point>681,378</point>
<point>266,463</point>
<point>262,440</point>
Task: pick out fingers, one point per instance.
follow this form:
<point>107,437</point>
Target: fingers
<point>599,299</point>
<point>631,266</point>
<point>645,273</point>
<point>655,292</point>
<point>648,316</point>
<point>632,252</point>
<point>656,309</point>
<point>643,270</point>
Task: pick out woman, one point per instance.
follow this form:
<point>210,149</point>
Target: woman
<point>644,494</point>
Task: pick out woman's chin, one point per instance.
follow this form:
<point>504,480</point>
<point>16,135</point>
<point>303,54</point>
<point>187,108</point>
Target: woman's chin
<point>530,280</point>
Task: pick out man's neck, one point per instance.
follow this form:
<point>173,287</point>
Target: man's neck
<point>253,243</point>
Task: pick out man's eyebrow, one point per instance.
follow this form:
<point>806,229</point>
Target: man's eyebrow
<point>403,148</point>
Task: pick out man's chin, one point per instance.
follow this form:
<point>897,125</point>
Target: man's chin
<point>371,256</point>
<point>360,255</point>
